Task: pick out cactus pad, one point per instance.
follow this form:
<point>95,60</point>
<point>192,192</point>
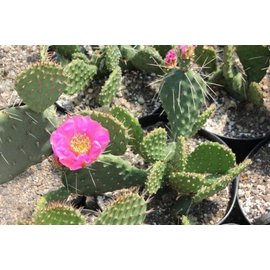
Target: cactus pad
<point>109,173</point>
<point>58,214</point>
<point>210,157</point>
<point>220,182</point>
<point>128,209</point>
<point>79,75</point>
<point>24,139</point>
<point>203,117</point>
<point>186,182</point>
<point>59,195</point>
<point>155,177</point>
<point>111,86</point>
<point>40,85</point>
<point>131,124</point>
<point>119,137</point>
<point>206,57</point>
<point>153,146</point>
<point>148,60</point>
<point>112,57</point>
<point>182,95</point>
<point>255,60</point>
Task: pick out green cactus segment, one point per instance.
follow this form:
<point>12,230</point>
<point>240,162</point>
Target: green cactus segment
<point>109,173</point>
<point>112,57</point>
<point>210,157</point>
<point>219,183</point>
<point>236,80</point>
<point>79,75</point>
<point>255,59</point>
<point>206,58</point>
<point>155,177</point>
<point>59,195</point>
<point>163,49</point>
<point>66,51</point>
<point>24,139</point>
<point>118,133</point>
<point>185,182</point>
<point>40,85</point>
<point>148,60</point>
<point>154,144</point>
<point>111,86</point>
<point>203,117</point>
<point>129,209</point>
<point>57,214</point>
<point>180,157</point>
<point>128,52</point>
<point>81,56</point>
<point>255,94</point>
<point>133,126</point>
<point>182,95</point>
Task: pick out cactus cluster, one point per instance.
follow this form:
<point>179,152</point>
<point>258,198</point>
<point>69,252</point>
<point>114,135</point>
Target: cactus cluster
<point>25,130</point>
<point>243,69</point>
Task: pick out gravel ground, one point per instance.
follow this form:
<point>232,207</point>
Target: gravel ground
<point>241,120</point>
<point>254,186</point>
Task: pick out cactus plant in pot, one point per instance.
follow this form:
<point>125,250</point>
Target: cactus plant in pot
<point>243,99</point>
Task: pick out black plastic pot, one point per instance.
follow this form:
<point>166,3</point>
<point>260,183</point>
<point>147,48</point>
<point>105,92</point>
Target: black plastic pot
<point>264,218</point>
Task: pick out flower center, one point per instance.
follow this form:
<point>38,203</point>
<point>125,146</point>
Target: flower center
<point>80,144</point>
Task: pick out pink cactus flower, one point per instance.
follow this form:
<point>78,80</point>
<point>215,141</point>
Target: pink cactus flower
<point>186,51</point>
<point>79,141</point>
<point>171,59</point>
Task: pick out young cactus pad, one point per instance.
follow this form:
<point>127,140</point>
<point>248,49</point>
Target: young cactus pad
<point>111,86</point>
<point>148,60</point>
<point>154,144</point>
<point>133,126</point>
<point>112,57</point>
<point>109,173</point>
<point>40,85</point>
<point>59,214</point>
<point>24,139</point>
<point>182,95</point>
<point>59,195</point>
<point>155,177</point>
<point>118,132</point>
<point>79,75</point>
<point>128,209</point>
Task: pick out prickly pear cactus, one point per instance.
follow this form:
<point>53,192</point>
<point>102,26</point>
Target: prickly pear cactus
<point>133,126</point>
<point>79,75</point>
<point>148,60</point>
<point>109,173</point>
<point>119,136</point>
<point>112,57</point>
<point>153,146</point>
<point>111,86</point>
<point>66,51</point>
<point>204,172</point>
<point>206,58</point>
<point>24,139</point>
<point>155,177</point>
<point>127,209</point>
<point>40,85</point>
<point>59,195</point>
<point>210,157</point>
<point>163,49</point>
<point>59,214</point>
<point>182,95</point>
<point>127,52</point>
